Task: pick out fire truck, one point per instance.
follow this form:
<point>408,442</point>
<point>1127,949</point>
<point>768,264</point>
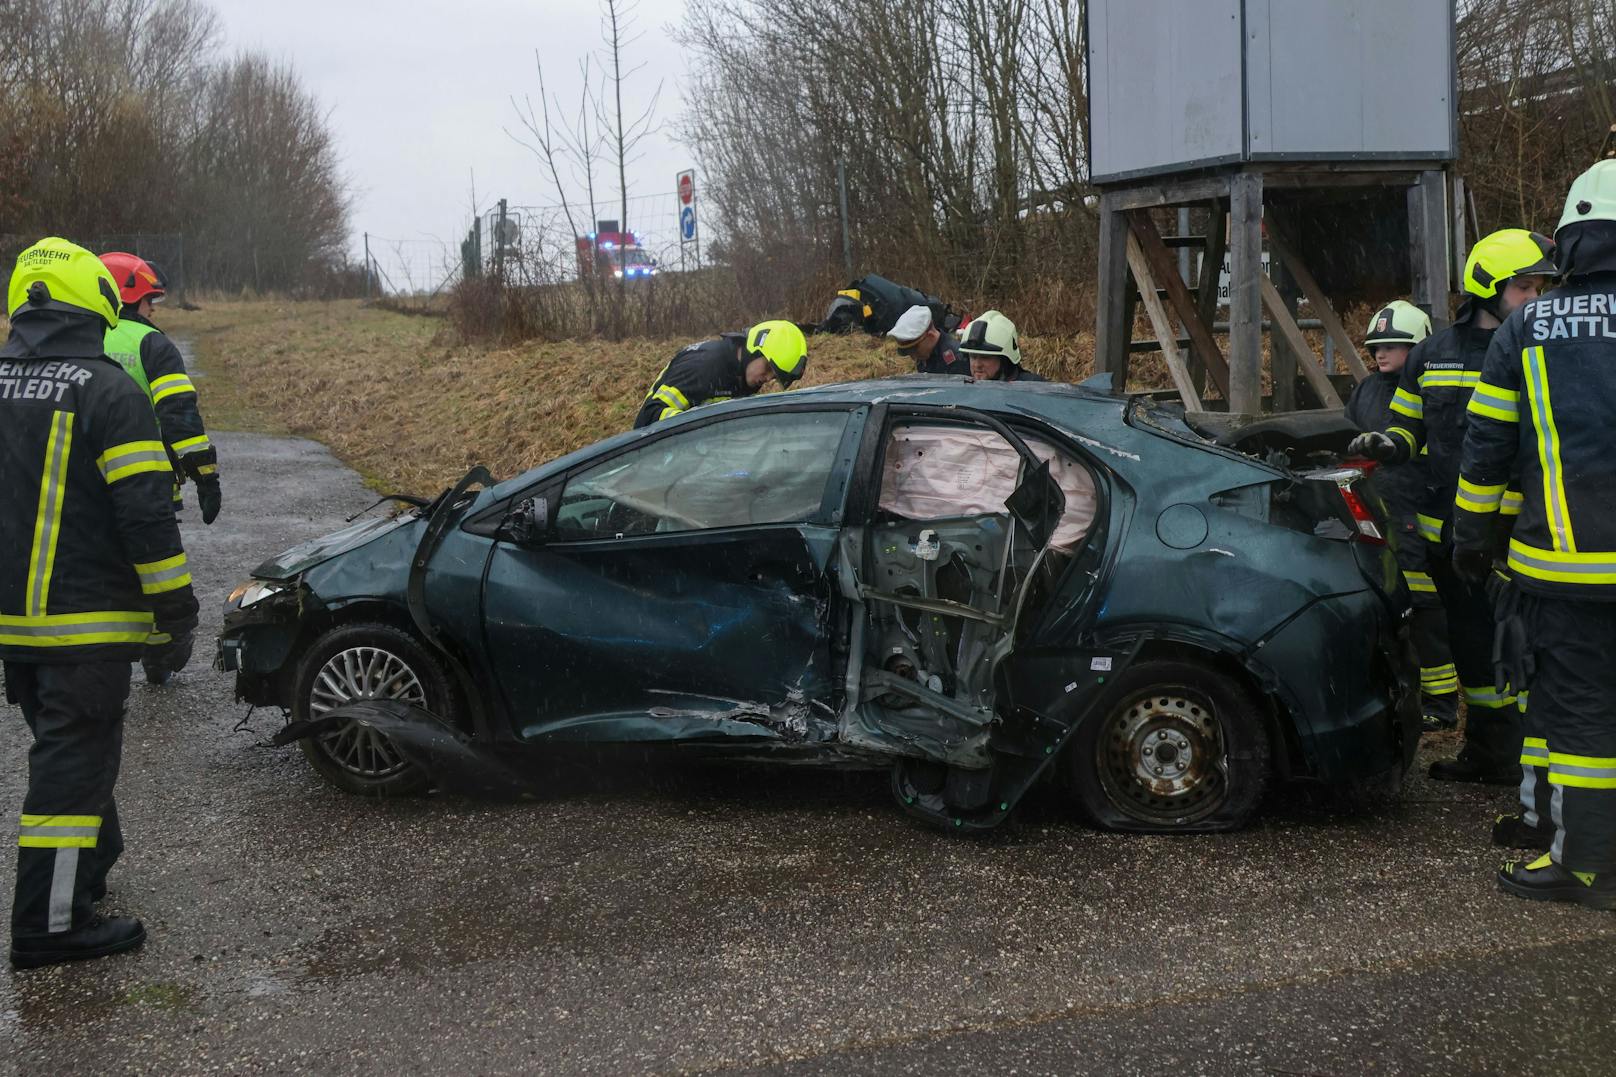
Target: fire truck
<point>609,252</point>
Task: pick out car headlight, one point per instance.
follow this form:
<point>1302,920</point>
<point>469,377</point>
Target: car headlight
<point>255,591</point>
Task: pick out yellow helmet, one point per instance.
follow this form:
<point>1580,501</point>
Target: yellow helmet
<point>1398,322</point>
<point>54,274</point>
<point>1509,252</point>
<point>783,345</point>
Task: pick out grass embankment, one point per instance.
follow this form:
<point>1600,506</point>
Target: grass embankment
<point>412,413</point>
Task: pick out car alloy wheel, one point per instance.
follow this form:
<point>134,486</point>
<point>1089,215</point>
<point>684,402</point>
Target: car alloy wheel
<point>363,673</point>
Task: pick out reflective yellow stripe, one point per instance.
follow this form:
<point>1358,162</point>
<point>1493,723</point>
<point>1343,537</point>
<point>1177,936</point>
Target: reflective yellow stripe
<point>1488,698</point>
<point>1560,567</point>
<point>1495,403</point>
<point>672,396</point>
<point>132,458</point>
<point>168,574</point>
<point>1583,771</point>
<point>170,385</point>
<point>1407,437</point>
<point>1511,505</point>
<point>1476,498</point>
<point>207,469</point>
<point>1407,403</point>
<point>1548,450</point>
<point>190,445</point>
<point>1449,379</point>
<point>1535,752</point>
<point>48,515</point>
<point>1420,581</point>
<point>75,629</point>
<point>1430,527</point>
<point>58,831</point>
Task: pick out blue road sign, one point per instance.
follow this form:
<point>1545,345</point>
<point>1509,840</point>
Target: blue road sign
<point>687,222</point>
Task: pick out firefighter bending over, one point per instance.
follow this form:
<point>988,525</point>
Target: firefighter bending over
<point>728,366</point>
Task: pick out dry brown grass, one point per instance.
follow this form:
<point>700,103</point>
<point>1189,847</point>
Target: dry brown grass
<point>412,413</point>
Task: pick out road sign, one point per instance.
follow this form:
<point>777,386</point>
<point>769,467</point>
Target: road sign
<point>687,186</point>
<point>687,223</point>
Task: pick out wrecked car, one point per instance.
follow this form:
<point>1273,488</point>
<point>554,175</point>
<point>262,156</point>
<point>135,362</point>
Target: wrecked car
<point>980,587</point>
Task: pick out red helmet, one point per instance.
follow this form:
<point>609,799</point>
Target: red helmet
<point>135,276</point>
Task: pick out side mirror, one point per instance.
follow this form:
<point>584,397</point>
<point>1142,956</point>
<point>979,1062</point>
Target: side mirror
<point>527,521</point>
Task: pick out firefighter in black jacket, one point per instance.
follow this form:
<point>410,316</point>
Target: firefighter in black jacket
<point>90,567</point>
<point>156,364</point>
<point>1505,270</point>
<point>1544,406</point>
<point>993,347</point>
<point>1393,331</point>
<point>728,366</point>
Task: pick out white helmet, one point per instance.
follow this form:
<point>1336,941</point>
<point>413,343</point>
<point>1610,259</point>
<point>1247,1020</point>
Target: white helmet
<point>1398,322</point>
<point>1592,196</point>
<point>991,333</point>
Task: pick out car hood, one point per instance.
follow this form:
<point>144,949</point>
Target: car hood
<point>305,555</point>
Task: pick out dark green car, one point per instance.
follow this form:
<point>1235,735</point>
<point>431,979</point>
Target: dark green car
<point>979,586</point>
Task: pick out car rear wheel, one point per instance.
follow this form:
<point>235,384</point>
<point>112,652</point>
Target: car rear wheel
<point>1172,746</point>
<point>367,661</point>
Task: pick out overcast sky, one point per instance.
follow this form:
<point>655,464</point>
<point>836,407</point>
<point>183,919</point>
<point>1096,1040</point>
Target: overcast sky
<point>419,97</point>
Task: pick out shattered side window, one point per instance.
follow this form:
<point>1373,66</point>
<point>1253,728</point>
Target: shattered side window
<point>755,469</point>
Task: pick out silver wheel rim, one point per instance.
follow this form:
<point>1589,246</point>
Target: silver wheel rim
<point>363,673</point>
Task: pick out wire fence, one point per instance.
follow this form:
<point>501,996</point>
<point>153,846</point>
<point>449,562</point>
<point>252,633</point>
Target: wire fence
<point>164,250</point>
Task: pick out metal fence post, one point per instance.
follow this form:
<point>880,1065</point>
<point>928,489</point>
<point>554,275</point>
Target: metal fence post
<point>367,267</point>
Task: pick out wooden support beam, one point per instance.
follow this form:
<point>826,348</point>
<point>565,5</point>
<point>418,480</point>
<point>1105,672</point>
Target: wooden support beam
<point>1153,195</point>
<point>1166,335</point>
<point>1286,330</point>
<point>1279,242</point>
<point>1428,245</point>
<point>1284,362</point>
<point>1112,327</point>
<point>1245,295</point>
<point>1156,254</point>
<point>1206,293</point>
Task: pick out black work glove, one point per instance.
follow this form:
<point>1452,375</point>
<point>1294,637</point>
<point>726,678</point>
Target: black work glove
<point>171,655</point>
<point>1375,445</point>
<point>1472,564</point>
<point>207,496</point>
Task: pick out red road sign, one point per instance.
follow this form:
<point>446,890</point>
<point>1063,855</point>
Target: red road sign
<point>687,187</point>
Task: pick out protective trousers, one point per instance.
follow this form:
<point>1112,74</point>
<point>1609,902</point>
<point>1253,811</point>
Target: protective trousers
<point>1573,711</point>
<point>1439,679</point>
<point>69,837</point>
<point>1492,737</point>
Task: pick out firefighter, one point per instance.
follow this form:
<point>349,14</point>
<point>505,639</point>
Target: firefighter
<point>992,345</point>
<point>1504,270</point>
<point>1393,331</point>
<point>730,365</point>
<point>156,364</point>
<point>90,567</point>
<point>934,351</point>
<point>1543,408</point>
<point>874,304</point>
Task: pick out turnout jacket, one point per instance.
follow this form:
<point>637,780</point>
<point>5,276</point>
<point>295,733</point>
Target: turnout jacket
<point>157,366</point>
<point>700,373</point>
<point>1544,404</point>
<point>90,556</point>
<point>945,358</point>
<point>1401,486</point>
<point>1429,412</point>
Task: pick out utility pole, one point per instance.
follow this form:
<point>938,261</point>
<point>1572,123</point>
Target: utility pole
<point>841,196</point>
<point>367,267</point>
<point>499,244</point>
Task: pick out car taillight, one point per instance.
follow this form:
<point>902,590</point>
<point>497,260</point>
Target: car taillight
<point>1362,518</point>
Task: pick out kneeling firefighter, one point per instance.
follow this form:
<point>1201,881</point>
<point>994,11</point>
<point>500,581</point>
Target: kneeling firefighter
<point>730,365</point>
<point>1543,405</point>
<point>91,567</point>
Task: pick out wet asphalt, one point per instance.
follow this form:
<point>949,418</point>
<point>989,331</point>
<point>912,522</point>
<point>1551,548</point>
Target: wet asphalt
<point>689,918</point>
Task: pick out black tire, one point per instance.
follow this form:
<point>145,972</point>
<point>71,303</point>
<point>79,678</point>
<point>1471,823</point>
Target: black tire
<point>1198,735</point>
<point>393,665</point>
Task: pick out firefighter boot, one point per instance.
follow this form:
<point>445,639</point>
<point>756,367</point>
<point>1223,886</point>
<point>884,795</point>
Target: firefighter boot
<point>1544,880</point>
<point>1472,767</point>
<point>1513,832</point>
<point>1439,712</point>
<point>99,937</point>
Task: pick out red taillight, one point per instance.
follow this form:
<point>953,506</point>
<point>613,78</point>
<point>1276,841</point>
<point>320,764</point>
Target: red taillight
<point>1364,520</point>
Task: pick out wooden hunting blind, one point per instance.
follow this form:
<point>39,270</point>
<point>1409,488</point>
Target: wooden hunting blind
<point>1321,127</point>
